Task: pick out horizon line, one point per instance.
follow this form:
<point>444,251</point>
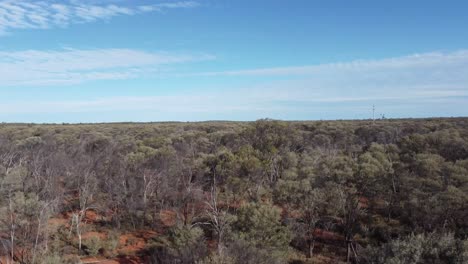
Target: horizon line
<point>232,121</point>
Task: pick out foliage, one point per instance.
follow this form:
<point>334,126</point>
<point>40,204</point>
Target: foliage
<point>389,191</point>
<point>415,249</point>
<point>259,225</point>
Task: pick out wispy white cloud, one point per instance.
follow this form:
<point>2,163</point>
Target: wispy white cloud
<point>162,6</point>
<point>417,62</point>
<point>418,76</point>
<point>49,14</point>
<point>416,85</point>
<point>195,106</point>
<point>69,66</point>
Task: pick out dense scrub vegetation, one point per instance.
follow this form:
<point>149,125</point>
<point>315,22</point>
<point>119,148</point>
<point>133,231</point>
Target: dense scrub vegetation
<point>219,192</point>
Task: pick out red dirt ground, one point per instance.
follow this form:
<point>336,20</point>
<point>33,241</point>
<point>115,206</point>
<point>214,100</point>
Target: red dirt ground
<point>134,242</point>
<point>168,218</point>
<point>88,235</point>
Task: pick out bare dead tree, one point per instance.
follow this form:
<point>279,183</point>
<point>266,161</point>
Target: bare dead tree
<point>219,219</point>
<point>86,194</point>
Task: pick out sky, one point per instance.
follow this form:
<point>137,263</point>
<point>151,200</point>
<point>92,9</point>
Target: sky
<point>80,61</point>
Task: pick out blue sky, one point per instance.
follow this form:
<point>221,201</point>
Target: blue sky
<point>156,60</point>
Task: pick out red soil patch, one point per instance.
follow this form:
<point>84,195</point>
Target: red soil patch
<point>134,242</point>
<point>129,260</point>
<point>91,216</point>
<point>363,202</point>
<point>168,217</point>
<point>287,212</point>
<point>120,260</point>
<point>212,244</point>
<point>327,235</point>
<point>98,261</point>
<point>5,259</point>
<point>146,234</point>
<point>88,235</point>
<point>57,222</point>
<point>131,243</point>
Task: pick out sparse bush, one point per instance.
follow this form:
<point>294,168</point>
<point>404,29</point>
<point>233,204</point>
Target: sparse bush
<point>111,244</point>
<point>420,249</point>
<point>51,259</point>
<point>93,245</point>
<point>217,259</point>
<point>184,245</point>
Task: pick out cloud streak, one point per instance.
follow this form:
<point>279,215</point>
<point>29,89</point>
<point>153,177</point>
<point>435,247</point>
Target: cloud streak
<point>52,14</point>
<point>420,62</point>
<point>435,74</point>
<point>416,85</point>
<point>70,66</point>
<point>236,104</point>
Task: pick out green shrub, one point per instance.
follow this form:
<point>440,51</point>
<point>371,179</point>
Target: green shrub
<point>111,244</point>
<point>420,249</point>
<point>93,245</point>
